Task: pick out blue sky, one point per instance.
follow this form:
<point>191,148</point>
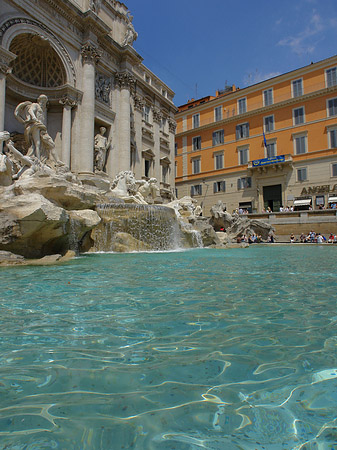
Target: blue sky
<point>196,46</point>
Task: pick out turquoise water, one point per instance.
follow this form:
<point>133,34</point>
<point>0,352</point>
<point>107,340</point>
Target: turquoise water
<point>203,349</point>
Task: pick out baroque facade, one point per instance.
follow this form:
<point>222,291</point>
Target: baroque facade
<point>270,145</point>
<point>79,54</point>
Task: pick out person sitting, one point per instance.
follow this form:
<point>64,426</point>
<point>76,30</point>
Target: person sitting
<point>331,238</point>
<point>292,238</point>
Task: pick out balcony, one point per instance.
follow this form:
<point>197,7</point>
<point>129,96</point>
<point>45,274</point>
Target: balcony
<point>276,163</point>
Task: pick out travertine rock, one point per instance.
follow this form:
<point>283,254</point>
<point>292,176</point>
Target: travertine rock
<point>237,225</point>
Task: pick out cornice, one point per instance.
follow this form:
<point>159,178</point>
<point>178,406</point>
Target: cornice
<point>271,82</point>
<point>66,9</point>
<point>90,21</point>
<point>240,118</point>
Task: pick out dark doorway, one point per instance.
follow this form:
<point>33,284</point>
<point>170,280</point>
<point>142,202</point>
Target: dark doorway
<point>272,197</point>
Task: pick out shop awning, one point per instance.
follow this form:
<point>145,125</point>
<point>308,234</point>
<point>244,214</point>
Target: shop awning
<point>302,202</point>
<point>332,199</point>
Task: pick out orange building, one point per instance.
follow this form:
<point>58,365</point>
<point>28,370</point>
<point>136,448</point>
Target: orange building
<point>270,145</point>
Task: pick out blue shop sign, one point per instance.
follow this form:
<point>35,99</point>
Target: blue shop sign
<point>266,161</point>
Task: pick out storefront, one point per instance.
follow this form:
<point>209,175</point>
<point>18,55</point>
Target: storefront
<point>302,204</point>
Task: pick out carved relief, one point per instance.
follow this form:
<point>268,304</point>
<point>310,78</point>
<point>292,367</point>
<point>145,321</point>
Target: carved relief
<point>103,88</point>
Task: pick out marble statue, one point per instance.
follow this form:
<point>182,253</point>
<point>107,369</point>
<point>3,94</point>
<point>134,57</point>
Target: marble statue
<point>33,116</point>
<point>130,34</point>
<point>6,168</point>
<point>95,5</point>
<point>148,188</point>
<point>102,145</point>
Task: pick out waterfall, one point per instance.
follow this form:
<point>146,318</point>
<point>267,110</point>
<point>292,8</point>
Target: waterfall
<point>146,227</point>
<point>197,239</point>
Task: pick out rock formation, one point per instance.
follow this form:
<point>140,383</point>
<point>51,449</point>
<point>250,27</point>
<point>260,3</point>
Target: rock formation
<point>236,226</point>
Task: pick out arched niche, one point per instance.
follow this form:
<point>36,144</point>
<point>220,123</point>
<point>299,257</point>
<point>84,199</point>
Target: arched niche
<point>27,37</point>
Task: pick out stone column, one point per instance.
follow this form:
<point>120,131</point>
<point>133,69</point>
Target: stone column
<point>67,104</point>
<point>5,58</point>
<point>157,118</point>
<point>90,57</point>
<point>172,131</point>
<point>126,83</point>
<point>138,108</point>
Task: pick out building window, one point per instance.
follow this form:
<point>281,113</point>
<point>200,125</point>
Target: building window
<point>196,165</point>
<point>219,160</point>
<point>242,105</point>
<point>163,124</point>
<point>146,113</point>
<point>196,143</point>
<point>196,121</point>
<point>219,186</point>
<point>268,124</point>
<point>297,87</point>
<point>218,137</point>
<point>176,149</point>
<point>332,107</point>
<point>244,182</point>
<point>271,149</point>
<point>300,144</point>
<point>320,200</point>
<point>334,170</point>
<point>302,174</point>
<point>147,167</point>
<point>218,113</point>
<point>332,133</point>
<point>242,131</point>
<point>164,173</point>
<point>196,190</point>
<point>331,77</point>
<point>175,170</point>
<point>268,97</point>
<point>298,116</point>
<point>243,155</point>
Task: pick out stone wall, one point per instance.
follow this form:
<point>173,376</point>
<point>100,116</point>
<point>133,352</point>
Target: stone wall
<point>297,222</point>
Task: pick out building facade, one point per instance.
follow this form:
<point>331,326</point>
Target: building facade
<point>79,53</point>
<point>270,145</point>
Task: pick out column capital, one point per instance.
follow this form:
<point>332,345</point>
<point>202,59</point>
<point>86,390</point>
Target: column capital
<point>67,101</point>
<point>139,102</point>
<point>125,80</point>
<point>5,69</point>
<point>157,115</point>
<point>90,53</point>
<point>172,125</point>
<point>6,57</point>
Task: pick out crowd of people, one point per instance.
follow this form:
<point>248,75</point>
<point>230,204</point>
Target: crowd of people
<point>314,238</point>
<point>254,239</point>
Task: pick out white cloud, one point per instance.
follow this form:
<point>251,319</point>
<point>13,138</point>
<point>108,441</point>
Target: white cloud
<point>257,77</point>
<point>304,41</point>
